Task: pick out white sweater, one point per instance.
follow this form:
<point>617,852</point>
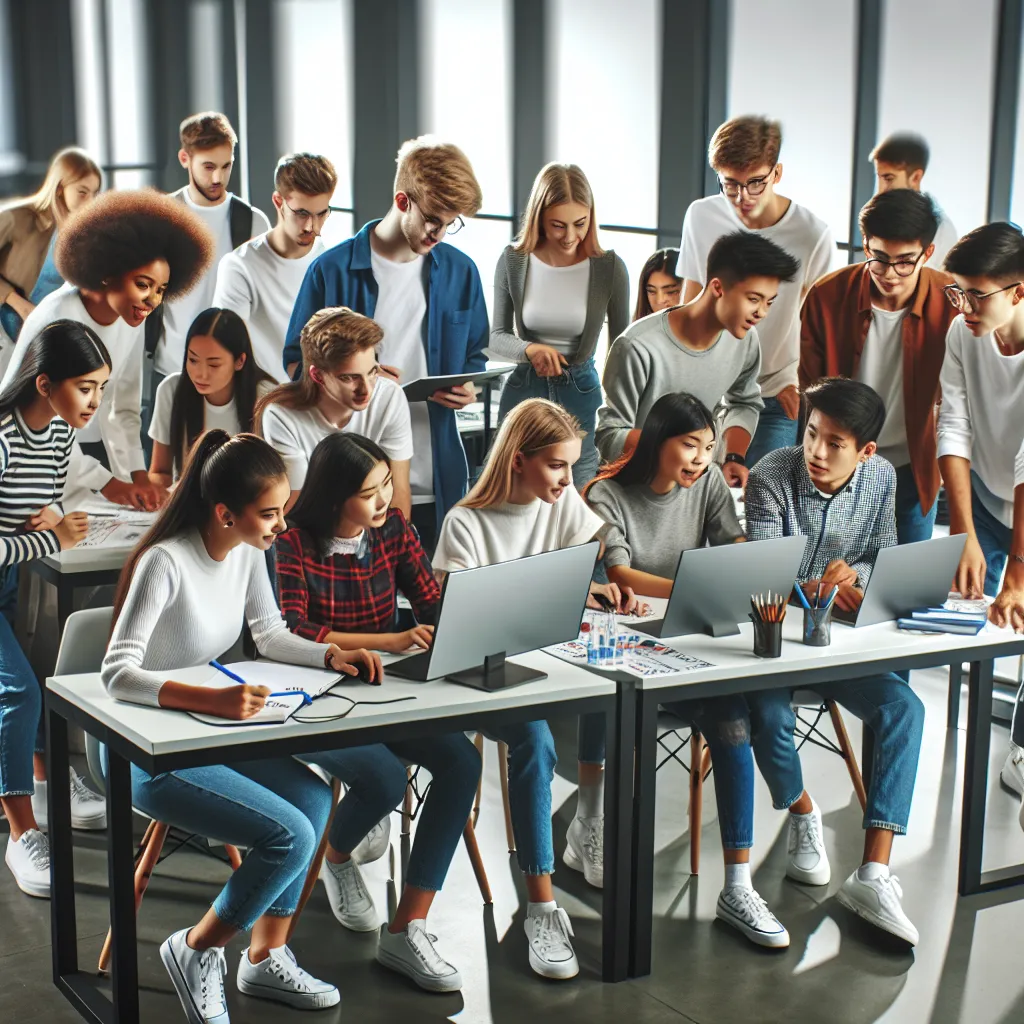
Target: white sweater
<point>184,608</point>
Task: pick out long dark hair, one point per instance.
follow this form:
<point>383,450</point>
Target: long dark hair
<point>672,415</point>
<point>664,261</point>
<point>228,329</point>
<point>219,469</point>
<point>337,468</point>
<point>63,350</point>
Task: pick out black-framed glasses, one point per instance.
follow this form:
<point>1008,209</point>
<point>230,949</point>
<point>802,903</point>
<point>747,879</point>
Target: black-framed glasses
<point>436,226</point>
<point>903,268</point>
<point>968,302</point>
<point>304,215</point>
<point>753,186</point>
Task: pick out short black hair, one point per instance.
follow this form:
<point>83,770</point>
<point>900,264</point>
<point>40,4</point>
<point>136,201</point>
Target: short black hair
<point>742,254</point>
<point>994,250</point>
<point>902,149</point>
<point>853,405</point>
<point>900,215</point>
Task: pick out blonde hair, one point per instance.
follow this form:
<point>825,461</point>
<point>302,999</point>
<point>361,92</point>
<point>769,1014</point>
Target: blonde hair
<point>439,175</point>
<point>554,185</point>
<point>531,426</point>
<point>307,173</point>
<point>67,166</point>
<point>329,338</point>
<point>207,130</point>
<point>745,142</point>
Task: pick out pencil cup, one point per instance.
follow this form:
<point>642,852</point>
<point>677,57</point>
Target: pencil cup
<point>818,626</point>
<point>767,638</point>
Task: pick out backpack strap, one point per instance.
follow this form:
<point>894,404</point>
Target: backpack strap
<point>239,222</point>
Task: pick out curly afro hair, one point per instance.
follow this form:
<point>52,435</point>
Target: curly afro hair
<point>118,232</point>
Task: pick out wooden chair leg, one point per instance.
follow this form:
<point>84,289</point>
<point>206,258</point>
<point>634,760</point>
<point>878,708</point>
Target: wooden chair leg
<point>478,742</point>
<point>697,750</point>
<point>848,754</point>
<point>234,857</point>
<point>510,834</point>
<point>473,849</point>
<point>157,833</point>
<point>318,858</point>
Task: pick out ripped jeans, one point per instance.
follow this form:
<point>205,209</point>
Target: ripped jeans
<point>725,725</point>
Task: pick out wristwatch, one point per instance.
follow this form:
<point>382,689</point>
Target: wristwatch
<point>736,457</point>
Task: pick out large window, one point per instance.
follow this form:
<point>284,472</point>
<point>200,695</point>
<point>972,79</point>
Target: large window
<point>1017,197</point>
<point>205,36</point>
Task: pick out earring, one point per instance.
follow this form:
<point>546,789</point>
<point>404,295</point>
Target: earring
<point>228,523</point>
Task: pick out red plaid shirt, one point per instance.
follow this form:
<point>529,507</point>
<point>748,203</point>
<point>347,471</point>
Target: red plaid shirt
<point>354,593</point>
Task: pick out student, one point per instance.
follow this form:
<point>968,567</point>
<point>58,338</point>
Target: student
<point>667,497</point>
<point>340,389</point>
<point>122,255</point>
<point>57,390</point>
<point>708,347</point>
<point>427,298</point>
<point>554,287</point>
<point>744,152</point>
<point>28,231</point>
<point>261,278</point>
<point>660,287</point>
<point>218,387</point>
<point>900,161</point>
<point>838,492</point>
<point>340,568</point>
<point>875,319</point>
<point>194,580</point>
<point>523,504</point>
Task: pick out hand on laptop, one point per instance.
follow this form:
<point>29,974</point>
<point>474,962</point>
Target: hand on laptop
<point>420,637</point>
<point>849,598</point>
<point>837,574</point>
<point>623,599</point>
<point>969,581</point>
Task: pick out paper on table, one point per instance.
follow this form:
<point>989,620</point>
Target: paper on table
<point>97,505</point>
<point>652,658</point>
<point>113,532</point>
<point>278,677</point>
<point>276,709</point>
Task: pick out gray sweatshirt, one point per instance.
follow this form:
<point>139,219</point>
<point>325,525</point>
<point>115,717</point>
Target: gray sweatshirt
<point>648,531</point>
<point>648,361</point>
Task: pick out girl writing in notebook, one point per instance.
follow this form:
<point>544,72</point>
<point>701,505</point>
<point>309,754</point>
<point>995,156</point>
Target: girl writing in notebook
<point>666,497</point>
<point>340,568</point>
<point>523,504</point>
<point>195,579</point>
<point>218,387</point>
<point>57,389</point>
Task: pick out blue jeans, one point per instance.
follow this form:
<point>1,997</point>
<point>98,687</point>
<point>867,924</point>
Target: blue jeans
<point>774,430</point>
<point>993,536</point>
<point>577,390</point>
<point>276,808</point>
<point>912,522</point>
<point>886,705</point>
<point>376,780</point>
<point>21,699</point>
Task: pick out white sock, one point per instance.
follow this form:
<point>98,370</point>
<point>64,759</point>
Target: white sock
<point>590,800</point>
<point>872,870</point>
<point>738,874</point>
<point>537,909</point>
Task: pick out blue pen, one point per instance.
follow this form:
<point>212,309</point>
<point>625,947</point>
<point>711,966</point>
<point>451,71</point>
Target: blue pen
<point>306,699</point>
<point>803,597</point>
<point>231,675</point>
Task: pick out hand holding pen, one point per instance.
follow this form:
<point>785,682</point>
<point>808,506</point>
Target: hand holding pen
<point>236,702</point>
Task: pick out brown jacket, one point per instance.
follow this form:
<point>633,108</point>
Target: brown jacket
<point>834,325</point>
<point>23,245</point>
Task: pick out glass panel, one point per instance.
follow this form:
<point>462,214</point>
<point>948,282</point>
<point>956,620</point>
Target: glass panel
<point>129,90</point>
<point>633,249</point>
<point>808,85</point>
<point>85,41</point>
<point>467,41</point>
<point>205,40</point>
<point>604,74</point>
<point>483,241</point>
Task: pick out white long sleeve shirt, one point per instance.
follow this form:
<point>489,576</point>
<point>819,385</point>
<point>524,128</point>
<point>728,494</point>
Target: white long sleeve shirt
<point>184,608</point>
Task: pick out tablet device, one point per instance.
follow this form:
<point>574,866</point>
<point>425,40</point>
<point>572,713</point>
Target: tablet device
<point>422,388</point>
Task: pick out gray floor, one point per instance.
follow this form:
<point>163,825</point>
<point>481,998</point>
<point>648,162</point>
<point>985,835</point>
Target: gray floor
<point>965,971</point>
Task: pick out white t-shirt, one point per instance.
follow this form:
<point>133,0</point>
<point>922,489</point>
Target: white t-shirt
<point>118,421</point>
<point>945,238</point>
<point>401,312</point>
<point>981,417</point>
<point>261,287</point>
<point>555,303</point>
<point>179,314</point>
<point>471,537</point>
<point>802,235</point>
<point>881,368</point>
<point>296,432</point>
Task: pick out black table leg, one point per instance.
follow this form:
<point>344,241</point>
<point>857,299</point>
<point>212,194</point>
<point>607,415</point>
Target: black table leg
<point>63,924</point>
<point>121,869</point>
<point>644,788</point>
<point>953,697</point>
<point>618,801</point>
<point>65,603</point>
<point>487,422</point>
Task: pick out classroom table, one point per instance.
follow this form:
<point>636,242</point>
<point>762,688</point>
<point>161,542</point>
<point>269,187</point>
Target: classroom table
<point>78,568</point>
<point>159,740</point>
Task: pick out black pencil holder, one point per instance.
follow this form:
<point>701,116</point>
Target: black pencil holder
<point>767,638</point>
<point>818,626</point>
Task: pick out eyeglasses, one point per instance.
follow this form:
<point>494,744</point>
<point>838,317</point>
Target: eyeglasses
<point>436,226</point>
<point>753,187</point>
<point>903,268</point>
<point>968,302</point>
<point>304,215</point>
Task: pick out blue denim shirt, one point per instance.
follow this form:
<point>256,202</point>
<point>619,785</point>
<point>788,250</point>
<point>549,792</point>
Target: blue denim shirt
<point>457,331</point>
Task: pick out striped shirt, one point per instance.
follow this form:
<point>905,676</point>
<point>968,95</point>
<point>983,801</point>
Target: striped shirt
<point>33,469</point>
<point>853,524</point>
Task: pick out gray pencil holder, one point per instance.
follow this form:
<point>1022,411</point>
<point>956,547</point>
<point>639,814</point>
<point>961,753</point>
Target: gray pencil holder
<point>818,627</point>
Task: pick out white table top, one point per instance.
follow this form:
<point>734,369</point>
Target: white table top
<point>159,731</point>
<point>103,558</point>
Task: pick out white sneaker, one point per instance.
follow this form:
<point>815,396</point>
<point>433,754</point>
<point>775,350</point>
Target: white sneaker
<point>1012,772</point>
<point>412,953</point>
<point>280,979</point>
<point>29,861</point>
<point>88,809</point>
<point>375,844</point>
<point>198,978</point>
<point>548,928</point>
<point>584,849</point>
<point>350,899</point>
<point>808,862</point>
<point>877,900</point>
<point>744,909</point>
